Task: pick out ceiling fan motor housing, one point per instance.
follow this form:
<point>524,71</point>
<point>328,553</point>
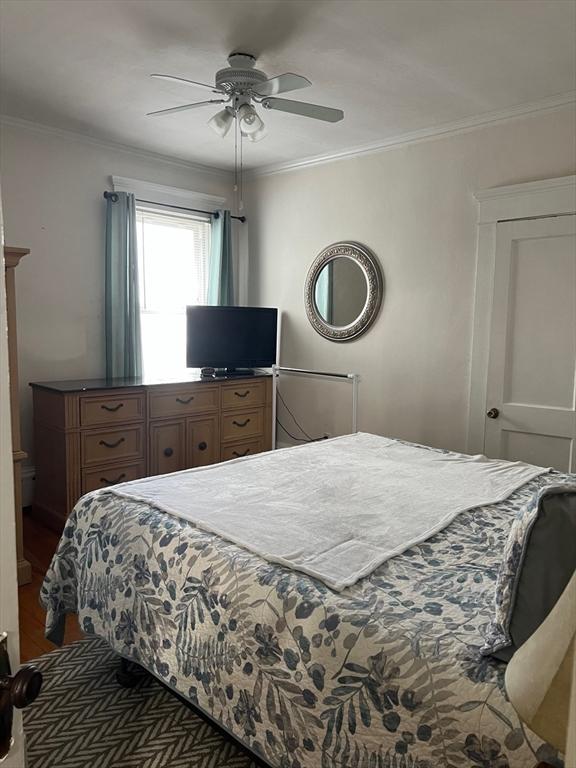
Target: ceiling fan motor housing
<point>240,76</point>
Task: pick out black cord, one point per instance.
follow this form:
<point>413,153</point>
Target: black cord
<point>297,439</point>
<point>294,419</point>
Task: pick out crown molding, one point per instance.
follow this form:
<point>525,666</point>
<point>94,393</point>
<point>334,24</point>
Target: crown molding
<point>411,137</point>
<point>65,133</point>
<point>425,134</point>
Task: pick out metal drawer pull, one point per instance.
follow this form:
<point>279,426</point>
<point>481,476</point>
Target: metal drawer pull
<point>242,394</point>
<point>168,452</point>
<point>244,453</point>
<point>184,401</point>
<point>113,482</point>
<point>202,446</point>
<point>112,408</point>
<point>240,424</point>
<point>112,445</point>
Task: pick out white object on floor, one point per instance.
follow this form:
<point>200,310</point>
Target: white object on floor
<point>335,509</point>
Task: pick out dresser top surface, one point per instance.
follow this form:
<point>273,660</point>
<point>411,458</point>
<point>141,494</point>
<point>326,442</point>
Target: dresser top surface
<point>88,385</point>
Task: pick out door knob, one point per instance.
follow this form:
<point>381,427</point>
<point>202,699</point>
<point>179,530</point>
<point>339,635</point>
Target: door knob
<point>493,413</point>
<point>23,688</point>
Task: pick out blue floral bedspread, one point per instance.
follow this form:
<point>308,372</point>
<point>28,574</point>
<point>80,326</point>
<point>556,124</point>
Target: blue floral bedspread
<point>386,674</point>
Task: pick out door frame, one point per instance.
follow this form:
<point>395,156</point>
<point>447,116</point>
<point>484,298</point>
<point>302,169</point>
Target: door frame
<point>534,199</point>
<point>16,757</point>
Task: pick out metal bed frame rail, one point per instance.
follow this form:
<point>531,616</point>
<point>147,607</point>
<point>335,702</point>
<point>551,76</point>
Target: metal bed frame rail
<point>354,378</point>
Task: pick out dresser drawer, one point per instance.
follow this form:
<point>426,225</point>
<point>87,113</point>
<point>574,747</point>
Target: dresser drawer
<point>243,395</point>
<point>240,425</point>
<point>237,450</point>
<point>110,410</point>
<point>118,444</point>
<point>183,402</point>
<point>103,477</point>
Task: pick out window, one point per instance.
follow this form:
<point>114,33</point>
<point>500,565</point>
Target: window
<point>173,254</point>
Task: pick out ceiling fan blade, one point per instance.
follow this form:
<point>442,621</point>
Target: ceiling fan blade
<point>281,84</point>
<point>184,107</point>
<point>302,108</point>
<point>184,81</point>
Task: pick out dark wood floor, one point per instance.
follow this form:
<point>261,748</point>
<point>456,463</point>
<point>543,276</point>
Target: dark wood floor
<point>39,545</point>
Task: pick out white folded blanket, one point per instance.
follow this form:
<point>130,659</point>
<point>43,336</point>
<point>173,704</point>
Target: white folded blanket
<point>335,509</point>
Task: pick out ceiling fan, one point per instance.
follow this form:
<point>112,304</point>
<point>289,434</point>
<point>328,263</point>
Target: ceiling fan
<point>240,85</point>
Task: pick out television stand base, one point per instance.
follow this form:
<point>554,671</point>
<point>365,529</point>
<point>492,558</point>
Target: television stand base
<point>226,373</point>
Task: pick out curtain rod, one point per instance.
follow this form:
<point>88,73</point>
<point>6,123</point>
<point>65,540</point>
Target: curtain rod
<point>114,197</point>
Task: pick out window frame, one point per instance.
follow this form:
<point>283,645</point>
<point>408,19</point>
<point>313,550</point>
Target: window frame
<point>179,217</point>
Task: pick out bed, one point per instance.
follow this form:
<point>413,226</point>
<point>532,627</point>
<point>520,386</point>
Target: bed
<point>386,673</point>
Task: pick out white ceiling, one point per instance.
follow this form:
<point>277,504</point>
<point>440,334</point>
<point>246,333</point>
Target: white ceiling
<point>393,66</point>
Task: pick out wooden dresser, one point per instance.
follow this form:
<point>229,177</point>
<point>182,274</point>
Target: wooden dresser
<point>90,434</point>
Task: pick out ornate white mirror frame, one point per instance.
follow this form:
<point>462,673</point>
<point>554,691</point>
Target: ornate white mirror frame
<point>368,263</point>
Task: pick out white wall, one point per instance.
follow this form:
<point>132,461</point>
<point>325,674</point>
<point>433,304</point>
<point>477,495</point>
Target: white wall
<point>52,189</point>
<point>414,207</point>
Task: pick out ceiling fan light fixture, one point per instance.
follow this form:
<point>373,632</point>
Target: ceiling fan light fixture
<point>249,120</point>
<point>246,114</point>
<point>257,135</point>
<point>222,121</point>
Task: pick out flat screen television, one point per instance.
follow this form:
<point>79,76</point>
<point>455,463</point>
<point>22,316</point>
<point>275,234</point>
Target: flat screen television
<point>230,337</point>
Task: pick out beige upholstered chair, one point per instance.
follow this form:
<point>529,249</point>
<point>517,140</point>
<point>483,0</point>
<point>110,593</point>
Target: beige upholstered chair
<point>541,677</point>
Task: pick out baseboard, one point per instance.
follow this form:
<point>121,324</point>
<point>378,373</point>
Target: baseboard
<point>28,477</point>
<point>24,572</point>
<point>47,517</point>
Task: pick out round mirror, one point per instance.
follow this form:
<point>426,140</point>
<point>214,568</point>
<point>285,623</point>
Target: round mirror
<point>343,291</point>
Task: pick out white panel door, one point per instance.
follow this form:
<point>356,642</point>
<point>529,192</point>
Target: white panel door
<point>531,388</point>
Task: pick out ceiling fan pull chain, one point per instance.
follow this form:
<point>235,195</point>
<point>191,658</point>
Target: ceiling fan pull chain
<point>241,203</point>
<point>236,160</point>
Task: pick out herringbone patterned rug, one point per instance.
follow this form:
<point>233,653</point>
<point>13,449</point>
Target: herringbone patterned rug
<point>84,719</point>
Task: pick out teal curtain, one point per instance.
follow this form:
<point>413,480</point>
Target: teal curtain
<point>220,277</point>
<point>122,303</point>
